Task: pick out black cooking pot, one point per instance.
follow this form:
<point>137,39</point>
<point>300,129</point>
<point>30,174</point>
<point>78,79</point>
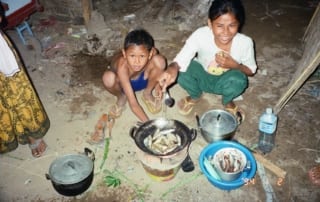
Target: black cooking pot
<point>139,134</point>
<point>72,174</point>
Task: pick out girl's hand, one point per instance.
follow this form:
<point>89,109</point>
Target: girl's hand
<point>169,76</point>
<point>226,61</point>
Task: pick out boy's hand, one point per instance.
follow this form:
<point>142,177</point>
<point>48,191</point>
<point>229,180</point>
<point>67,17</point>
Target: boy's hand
<point>169,76</point>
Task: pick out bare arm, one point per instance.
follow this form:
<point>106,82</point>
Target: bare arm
<point>169,76</point>
<point>123,74</point>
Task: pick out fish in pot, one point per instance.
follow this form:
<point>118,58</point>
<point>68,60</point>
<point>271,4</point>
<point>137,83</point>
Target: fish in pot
<point>162,145</point>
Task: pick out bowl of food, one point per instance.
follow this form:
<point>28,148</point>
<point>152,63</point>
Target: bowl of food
<point>222,171</point>
<point>229,163</point>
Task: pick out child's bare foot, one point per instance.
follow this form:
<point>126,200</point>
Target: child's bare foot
<point>158,92</point>
<point>236,112</point>
<point>37,146</point>
<point>154,104</point>
<point>186,105</point>
<point>115,110</point>
<point>121,101</point>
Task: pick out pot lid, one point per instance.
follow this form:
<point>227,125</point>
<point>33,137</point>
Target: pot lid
<point>70,169</point>
<point>219,120</point>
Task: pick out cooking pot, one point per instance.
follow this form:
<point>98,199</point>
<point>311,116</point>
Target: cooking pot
<point>217,125</point>
<point>162,124</point>
<point>162,166</point>
<point>72,174</point>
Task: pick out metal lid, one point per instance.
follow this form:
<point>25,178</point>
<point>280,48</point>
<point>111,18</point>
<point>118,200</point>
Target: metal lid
<point>71,169</point>
<point>218,122</point>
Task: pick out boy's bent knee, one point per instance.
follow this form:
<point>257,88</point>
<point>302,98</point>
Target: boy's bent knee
<point>159,62</point>
<point>109,78</point>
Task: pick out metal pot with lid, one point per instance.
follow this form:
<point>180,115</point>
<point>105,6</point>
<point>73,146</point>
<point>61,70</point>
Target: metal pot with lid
<point>72,174</point>
<point>217,124</point>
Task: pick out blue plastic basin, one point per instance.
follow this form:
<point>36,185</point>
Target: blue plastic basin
<point>246,175</point>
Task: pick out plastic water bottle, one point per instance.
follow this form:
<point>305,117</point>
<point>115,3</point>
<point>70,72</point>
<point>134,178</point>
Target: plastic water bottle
<point>267,129</point>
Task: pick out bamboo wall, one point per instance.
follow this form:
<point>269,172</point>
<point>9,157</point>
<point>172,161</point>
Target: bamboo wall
<point>308,63</point>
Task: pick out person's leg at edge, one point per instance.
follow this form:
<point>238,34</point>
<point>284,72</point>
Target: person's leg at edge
<point>232,84</point>
<point>190,82</point>
<point>152,93</point>
<point>112,85</point>
<point>37,146</point>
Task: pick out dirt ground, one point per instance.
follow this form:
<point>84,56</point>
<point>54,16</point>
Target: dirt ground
<point>68,81</point>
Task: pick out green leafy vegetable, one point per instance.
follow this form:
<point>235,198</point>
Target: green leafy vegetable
<point>112,181</point>
<point>106,151</point>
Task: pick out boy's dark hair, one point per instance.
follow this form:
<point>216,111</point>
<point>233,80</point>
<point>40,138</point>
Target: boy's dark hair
<point>139,37</point>
<point>221,7</point>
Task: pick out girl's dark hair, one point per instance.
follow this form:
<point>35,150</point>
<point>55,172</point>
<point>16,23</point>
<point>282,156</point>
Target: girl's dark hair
<point>139,37</point>
<point>221,7</point>
<point>4,21</point>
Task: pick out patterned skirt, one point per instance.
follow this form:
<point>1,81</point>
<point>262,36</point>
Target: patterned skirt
<point>21,112</point>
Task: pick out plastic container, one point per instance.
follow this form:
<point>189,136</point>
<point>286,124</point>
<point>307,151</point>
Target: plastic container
<point>267,130</point>
<point>214,178</point>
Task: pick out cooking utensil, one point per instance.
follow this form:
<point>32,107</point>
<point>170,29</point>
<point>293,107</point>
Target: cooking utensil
<point>168,100</point>
<point>163,166</point>
<point>187,165</point>
<point>72,174</point>
<point>217,125</point>
<point>148,128</point>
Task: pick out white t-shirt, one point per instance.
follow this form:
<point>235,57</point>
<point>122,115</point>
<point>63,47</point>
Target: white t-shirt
<point>201,42</point>
<point>8,62</point>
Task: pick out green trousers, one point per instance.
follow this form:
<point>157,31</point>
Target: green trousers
<point>196,80</point>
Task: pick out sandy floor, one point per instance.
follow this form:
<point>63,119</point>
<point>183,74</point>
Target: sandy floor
<point>69,85</point>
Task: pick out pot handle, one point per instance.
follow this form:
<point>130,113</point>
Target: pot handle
<point>193,134</point>
<point>198,121</point>
<point>133,131</point>
<point>48,176</point>
<point>89,153</point>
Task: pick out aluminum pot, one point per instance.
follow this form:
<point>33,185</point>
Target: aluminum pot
<point>217,125</point>
<point>72,174</point>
